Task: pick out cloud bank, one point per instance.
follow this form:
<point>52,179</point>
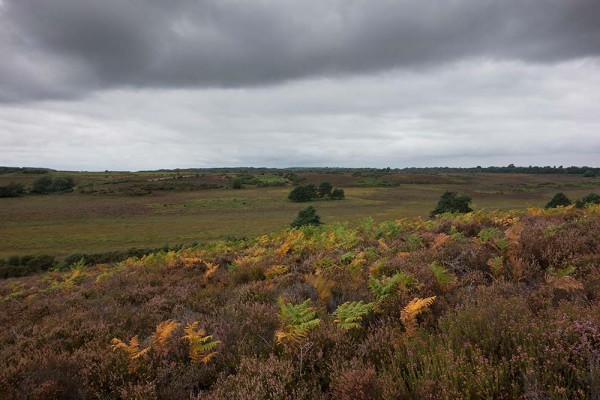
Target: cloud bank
<point>189,83</point>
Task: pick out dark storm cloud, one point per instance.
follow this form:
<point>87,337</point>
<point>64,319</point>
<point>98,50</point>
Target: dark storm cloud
<point>62,48</point>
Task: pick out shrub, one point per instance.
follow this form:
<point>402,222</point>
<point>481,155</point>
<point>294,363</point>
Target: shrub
<point>306,217</point>
<point>559,200</point>
<point>62,184</point>
<point>303,193</point>
<point>452,202</point>
<point>592,198</point>
<point>12,190</point>
<point>337,194</point>
<point>325,189</point>
<point>42,185</point>
<point>237,184</point>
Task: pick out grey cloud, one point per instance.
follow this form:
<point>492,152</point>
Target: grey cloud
<point>64,48</point>
<point>473,113</point>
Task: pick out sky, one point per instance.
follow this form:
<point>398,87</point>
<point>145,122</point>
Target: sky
<point>148,84</point>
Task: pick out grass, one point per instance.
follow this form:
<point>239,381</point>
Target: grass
<point>106,221</point>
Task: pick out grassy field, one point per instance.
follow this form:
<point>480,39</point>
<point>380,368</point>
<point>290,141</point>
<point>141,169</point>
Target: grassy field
<point>117,211</point>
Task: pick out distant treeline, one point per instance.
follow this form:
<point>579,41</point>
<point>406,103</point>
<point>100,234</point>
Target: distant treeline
<point>24,170</point>
<point>510,169</point>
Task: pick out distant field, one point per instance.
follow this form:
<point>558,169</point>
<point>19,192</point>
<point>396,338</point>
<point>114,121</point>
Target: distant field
<point>118,211</point>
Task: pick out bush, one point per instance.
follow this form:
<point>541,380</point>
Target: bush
<point>338,194</point>
<point>12,190</point>
<point>559,199</point>
<point>42,185</point>
<point>46,184</point>
<point>452,202</point>
<point>592,198</point>
<point>303,193</point>
<point>325,189</point>
<point>237,184</point>
<point>62,184</point>
<point>305,217</point>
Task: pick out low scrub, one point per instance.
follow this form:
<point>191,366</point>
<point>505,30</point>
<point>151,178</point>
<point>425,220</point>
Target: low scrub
<point>481,305</point>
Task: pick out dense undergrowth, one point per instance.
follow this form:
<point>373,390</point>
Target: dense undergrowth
<point>477,306</point>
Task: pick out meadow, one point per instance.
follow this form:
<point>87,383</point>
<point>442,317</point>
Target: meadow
<point>120,210</point>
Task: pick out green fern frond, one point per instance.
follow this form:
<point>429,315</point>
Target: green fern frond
<point>200,343</point>
<point>296,320</point>
<point>349,314</point>
<point>386,286</point>
<point>444,278</point>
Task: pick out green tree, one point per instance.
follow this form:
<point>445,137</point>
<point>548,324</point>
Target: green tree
<point>303,193</point>
<point>559,199</point>
<point>452,202</point>
<point>592,198</point>
<point>325,189</point>
<point>337,194</point>
<point>305,217</point>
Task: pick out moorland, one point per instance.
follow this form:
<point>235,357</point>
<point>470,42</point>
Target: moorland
<point>116,211</point>
<point>383,301</point>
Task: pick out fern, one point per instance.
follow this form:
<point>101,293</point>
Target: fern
<point>296,321</point>
<point>496,265</point>
<point>200,343</point>
<point>415,307</point>
<point>163,332</point>
<point>386,286</point>
<point>349,314</point>
<point>132,348</point>
<point>445,279</point>
<point>322,285</point>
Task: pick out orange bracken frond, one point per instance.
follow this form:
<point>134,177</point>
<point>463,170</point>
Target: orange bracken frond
<point>163,332</point>
<point>412,309</point>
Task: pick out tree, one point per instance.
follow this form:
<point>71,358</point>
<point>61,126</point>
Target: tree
<point>306,217</point>
<point>303,193</point>
<point>592,198</point>
<point>325,189</point>
<point>559,200</point>
<point>452,202</point>
<point>337,194</point>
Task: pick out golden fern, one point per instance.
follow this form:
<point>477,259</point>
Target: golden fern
<point>322,285</point>
<point>132,348</point>
<point>163,332</point>
<point>200,343</point>
<point>210,270</point>
<point>415,307</point>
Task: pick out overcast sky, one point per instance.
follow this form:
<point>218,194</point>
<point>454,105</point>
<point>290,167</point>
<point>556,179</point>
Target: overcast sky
<point>146,84</point>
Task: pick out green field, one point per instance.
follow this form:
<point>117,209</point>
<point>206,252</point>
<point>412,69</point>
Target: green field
<point>117,211</point>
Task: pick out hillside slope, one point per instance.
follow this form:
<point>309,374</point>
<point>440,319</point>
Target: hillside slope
<point>481,305</point>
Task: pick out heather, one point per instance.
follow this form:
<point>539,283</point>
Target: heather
<point>483,305</point>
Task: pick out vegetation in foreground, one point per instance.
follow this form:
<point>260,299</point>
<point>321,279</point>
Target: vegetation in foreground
<point>481,305</point>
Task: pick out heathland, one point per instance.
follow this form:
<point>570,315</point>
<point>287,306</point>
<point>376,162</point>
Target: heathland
<point>116,211</point>
<point>483,305</point>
